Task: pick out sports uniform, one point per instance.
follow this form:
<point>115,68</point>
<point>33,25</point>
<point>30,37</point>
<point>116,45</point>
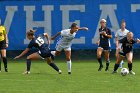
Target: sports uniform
<point>65,41</point>
<point>42,47</point>
<point>2,38</point>
<point>104,40</point>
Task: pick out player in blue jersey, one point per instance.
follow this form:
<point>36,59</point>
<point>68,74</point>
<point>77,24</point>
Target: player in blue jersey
<point>127,51</point>
<point>104,44</point>
<point>43,51</point>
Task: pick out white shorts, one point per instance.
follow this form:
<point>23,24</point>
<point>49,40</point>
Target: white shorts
<point>60,48</point>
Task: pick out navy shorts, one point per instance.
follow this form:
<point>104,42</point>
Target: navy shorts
<point>2,44</point>
<point>45,53</point>
<point>123,54</point>
<point>105,48</point>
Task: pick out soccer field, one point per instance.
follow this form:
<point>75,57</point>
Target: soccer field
<point>84,79</point>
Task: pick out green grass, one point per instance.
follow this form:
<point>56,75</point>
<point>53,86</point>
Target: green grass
<point>84,79</point>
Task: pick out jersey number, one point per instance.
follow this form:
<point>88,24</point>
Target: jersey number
<point>39,41</point>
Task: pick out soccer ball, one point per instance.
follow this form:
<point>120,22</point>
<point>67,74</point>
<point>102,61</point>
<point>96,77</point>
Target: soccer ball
<point>124,71</point>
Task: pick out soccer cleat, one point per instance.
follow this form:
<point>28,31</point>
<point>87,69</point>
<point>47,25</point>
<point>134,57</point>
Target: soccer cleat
<point>26,72</point>
<point>59,72</point>
<point>6,70</point>
<point>121,64</point>
<point>131,72</point>
<point>69,72</point>
<point>100,68</point>
<point>114,72</point>
<point>106,69</point>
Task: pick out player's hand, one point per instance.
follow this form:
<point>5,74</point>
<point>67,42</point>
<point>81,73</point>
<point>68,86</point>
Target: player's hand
<point>97,43</point>
<point>17,57</point>
<point>6,45</point>
<point>52,38</point>
<point>85,28</point>
<point>103,33</point>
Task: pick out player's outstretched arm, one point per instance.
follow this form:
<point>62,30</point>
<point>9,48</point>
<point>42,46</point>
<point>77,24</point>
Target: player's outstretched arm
<point>83,28</point>
<point>47,37</point>
<point>23,53</point>
<point>138,40</point>
<point>53,37</point>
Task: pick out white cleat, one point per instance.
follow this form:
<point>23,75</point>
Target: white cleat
<point>131,72</point>
<point>26,72</point>
<point>59,72</point>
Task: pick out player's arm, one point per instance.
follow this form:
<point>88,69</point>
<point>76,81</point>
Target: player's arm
<point>83,28</point>
<point>23,53</point>
<point>47,37</point>
<point>56,35</point>
<point>138,40</point>
<point>117,43</point>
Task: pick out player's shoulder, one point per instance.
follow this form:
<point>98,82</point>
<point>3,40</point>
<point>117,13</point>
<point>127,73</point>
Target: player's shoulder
<point>66,30</point>
<point>126,30</point>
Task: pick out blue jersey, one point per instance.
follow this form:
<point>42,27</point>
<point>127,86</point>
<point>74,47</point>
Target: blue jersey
<point>39,44</point>
<point>104,40</point>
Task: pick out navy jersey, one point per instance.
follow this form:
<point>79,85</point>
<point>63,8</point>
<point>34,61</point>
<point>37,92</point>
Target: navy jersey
<point>127,46</point>
<point>39,44</point>
<point>104,40</point>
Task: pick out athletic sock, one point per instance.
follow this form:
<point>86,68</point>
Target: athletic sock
<point>107,63</point>
<point>28,64</point>
<point>100,61</point>
<point>53,53</point>
<point>130,66</point>
<point>69,66</point>
<point>5,63</point>
<point>116,67</point>
<point>54,66</point>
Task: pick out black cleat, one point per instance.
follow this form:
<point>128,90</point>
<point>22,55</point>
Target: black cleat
<point>100,68</point>
<point>69,72</point>
<point>106,69</point>
<point>6,70</point>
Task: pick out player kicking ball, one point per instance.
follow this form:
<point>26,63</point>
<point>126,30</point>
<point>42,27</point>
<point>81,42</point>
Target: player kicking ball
<point>127,51</point>
<point>43,51</point>
<point>65,42</point>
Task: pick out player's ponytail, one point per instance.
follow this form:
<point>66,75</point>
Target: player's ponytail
<point>30,32</point>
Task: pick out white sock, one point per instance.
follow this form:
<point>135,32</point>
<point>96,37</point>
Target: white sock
<point>69,65</point>
<point>53,53</point>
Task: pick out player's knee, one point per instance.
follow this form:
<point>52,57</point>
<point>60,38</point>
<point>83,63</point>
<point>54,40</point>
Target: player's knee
<point>28,57</point>
<point>129,61</point>
<point>68,58</point>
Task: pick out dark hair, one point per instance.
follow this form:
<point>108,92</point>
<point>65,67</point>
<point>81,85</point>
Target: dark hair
<point>30,32</point>
<point>73,25</point>
<point>123,21</point>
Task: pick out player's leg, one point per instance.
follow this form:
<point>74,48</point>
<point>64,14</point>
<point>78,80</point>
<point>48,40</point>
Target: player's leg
<point>3,54</point>
<point>31,57</point>
<point>68,58</point>
<point>119,59</point>
<point>99,57</point>
<point>129,57</point>
<point>107,54</point>
<point>53,65</point>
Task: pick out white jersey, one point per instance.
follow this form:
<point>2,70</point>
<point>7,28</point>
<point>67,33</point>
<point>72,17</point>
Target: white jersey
<point>121,34</point>
<point>66,39</point>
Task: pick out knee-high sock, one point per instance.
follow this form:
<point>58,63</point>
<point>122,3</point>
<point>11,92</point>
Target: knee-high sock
<point>5,62</point>
<point>107,63</point>
<point>130,66</point>
<point>69,66</point>
<point>53,53</point>
<point>100,61</point>
<point>116,67</point>
<point>53,65</point>
<point>28,64</point>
